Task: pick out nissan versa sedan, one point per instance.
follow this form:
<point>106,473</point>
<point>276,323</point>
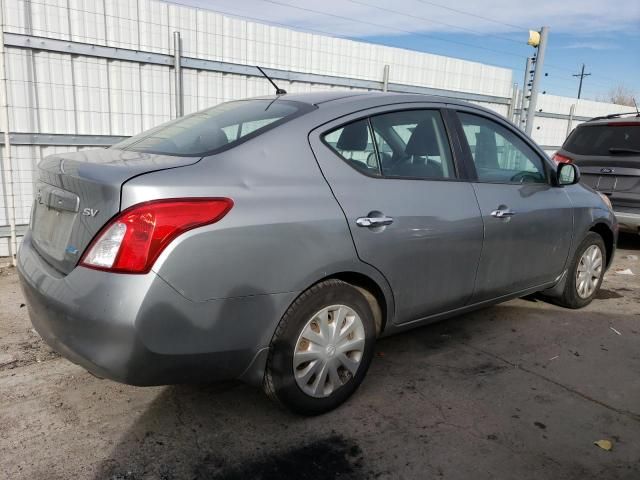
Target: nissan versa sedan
<point>273,240</point>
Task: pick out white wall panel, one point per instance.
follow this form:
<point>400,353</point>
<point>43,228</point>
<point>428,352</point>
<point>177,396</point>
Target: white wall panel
<point>153,18</point>
<point>24,113</point>
<point>91,92</point>
<point>125,99</point>
<point>122,24</point>
<point>549,131</point>
<point>156,95</point>
<point>184,20</point>
<point>54,90</point>
<point>58,93</point>
<point>87,21</point>
<point>584,108</point>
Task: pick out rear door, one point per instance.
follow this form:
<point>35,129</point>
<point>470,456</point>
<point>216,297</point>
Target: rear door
<point>410,214</point>
<point>528,222</point>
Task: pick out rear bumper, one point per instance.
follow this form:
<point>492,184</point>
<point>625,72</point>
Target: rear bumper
<point>628,222</point>
<point>136,329</point>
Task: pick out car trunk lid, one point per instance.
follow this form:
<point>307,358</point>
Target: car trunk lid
<point>616,176</point>
<point>77,193</point>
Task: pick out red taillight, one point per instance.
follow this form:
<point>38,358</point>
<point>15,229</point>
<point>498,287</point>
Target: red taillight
<point>561,158</point>
<point>133,240</point>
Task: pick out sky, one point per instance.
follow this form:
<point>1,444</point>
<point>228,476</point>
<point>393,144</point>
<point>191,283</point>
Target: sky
<point>602,34</point>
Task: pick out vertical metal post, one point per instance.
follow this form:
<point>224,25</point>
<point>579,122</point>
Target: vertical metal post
<point>512,104</point>
<point>177,48</point>
<point>6,156</point>
<point>385,79</point>
<point>572,111</point>
<point>523,99</point>
<point>537,77</point>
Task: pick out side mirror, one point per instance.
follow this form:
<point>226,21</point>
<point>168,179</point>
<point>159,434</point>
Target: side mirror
<point>568,174</point>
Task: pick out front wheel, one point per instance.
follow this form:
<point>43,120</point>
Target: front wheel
<point>322,348</point>
<point>585,273</point>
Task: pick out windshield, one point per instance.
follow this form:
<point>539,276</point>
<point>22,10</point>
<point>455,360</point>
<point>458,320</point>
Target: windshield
<point>215,128</point>
<point>604,139</point>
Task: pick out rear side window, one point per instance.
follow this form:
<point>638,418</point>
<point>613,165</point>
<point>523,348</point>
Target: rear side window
<point>413,144</point>
<point>213,129</point>
<point>614,138</point>
<point>405,144</point>
<point>354,144</point>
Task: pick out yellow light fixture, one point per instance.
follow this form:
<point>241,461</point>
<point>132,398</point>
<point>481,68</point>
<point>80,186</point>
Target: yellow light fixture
<point>534,38</point>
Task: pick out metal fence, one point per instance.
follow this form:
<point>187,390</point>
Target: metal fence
<point>85,73</point>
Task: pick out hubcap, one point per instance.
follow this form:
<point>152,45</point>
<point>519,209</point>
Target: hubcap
<point>589,271</point>
<point>328,351</point>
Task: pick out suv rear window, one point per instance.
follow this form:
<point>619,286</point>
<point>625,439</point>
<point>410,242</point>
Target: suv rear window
<point>214,129</point>
<point>598,139</point>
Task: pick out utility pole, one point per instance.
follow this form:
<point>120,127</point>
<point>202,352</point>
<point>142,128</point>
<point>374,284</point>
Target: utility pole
<point>539,42</point>
<point>528,71</point>
<point>581,75</point>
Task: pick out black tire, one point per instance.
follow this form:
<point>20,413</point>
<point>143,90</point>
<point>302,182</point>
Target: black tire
<point>279,381</point>
<point>570,297</point>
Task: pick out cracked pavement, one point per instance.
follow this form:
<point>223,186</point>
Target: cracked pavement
<point>520,390</point>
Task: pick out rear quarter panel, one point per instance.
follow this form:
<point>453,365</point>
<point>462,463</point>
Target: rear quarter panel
<point>284,233</point>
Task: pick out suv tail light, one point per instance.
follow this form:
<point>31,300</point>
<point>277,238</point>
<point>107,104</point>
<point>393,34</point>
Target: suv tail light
<point>558,158</point>
<point>132,241</point>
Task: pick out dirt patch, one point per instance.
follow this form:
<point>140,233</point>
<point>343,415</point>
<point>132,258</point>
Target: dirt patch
<point>327,458</point>
<point>332,457</point>
<point>484,369</point>
<point>20,345</point>
<point>33,350</point>
<point>604,294</point>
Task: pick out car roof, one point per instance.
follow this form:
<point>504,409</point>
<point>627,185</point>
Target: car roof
<point>632,117</point>
<point>351,96</point>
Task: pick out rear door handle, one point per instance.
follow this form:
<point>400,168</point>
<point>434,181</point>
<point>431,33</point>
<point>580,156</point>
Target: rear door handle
<point>504,213</point>
<point>374,221</point>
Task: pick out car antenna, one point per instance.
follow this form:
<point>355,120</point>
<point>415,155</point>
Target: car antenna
<point>279,91</point>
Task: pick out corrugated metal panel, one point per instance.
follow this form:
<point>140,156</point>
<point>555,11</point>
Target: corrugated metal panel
<point>549,131</point>
<point>58,93</point>
<point>584,108</point>
<point>148,24</point>
<point>125,99</point>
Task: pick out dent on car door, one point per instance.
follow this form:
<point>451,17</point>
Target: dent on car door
<point>410,217</point>
<point>528,222</point>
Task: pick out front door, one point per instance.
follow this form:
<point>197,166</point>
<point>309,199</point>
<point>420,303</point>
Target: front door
<point>528,222</point>
<point>409,214</point>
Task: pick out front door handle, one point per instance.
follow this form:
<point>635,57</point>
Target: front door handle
<point>503,213</point>
<point>374,221</point>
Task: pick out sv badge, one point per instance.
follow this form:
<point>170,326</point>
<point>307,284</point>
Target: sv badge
<point>89,212</point>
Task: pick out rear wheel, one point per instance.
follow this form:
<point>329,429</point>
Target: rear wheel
<point>322,348</point>
<point>585,273</point>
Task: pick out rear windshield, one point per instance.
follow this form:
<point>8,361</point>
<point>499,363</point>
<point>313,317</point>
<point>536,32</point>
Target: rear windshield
<point>214,129</point>
<point>599,139</point>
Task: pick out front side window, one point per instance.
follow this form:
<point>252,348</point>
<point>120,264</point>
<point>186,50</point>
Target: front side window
<point>499,155</point>
<point>214,128</point>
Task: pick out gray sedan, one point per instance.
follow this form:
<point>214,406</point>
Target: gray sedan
<point>273,240</point>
